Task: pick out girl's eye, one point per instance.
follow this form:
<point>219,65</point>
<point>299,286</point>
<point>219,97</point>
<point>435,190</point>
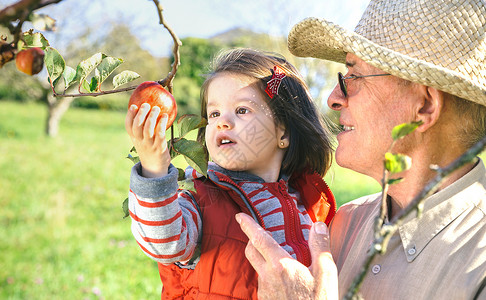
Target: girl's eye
<point>242,110</point>
<point>213,114</point>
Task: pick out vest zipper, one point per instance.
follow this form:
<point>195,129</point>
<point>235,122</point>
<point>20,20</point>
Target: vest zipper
<point>254,212</point>
<point>297,241</point>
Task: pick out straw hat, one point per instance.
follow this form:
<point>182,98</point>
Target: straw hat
<point>441,44</point>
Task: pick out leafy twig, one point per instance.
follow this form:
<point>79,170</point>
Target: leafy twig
<point>96,94</point>
<point>166,82</point>
<point>385,232</point>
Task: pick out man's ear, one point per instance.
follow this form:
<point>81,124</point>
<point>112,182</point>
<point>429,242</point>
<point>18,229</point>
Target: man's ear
<point>430,108</point>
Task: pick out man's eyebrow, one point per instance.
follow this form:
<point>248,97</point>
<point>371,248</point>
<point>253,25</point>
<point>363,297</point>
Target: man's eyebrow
<point>350,64</point>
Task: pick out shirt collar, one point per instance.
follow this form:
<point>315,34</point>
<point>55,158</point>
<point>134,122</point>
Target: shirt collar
<point>440,210</point>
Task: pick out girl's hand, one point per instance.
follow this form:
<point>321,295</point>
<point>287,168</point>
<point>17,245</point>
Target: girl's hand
<point>148,137</point>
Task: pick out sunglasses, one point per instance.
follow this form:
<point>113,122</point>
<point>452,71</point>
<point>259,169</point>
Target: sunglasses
<point>342,83</point>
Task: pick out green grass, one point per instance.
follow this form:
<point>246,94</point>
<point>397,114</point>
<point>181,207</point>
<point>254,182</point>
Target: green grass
<point>62,235</point>
<point>62,232</point>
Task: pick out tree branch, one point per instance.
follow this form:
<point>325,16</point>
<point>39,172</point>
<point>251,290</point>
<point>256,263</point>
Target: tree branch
<point>167,81</point>
<point>96,94</point>
<point>11,13</point>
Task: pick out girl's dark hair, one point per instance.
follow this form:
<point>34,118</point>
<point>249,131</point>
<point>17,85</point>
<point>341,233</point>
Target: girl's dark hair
<point>310,144</point>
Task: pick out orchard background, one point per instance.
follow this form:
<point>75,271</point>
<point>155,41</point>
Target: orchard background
<point>62,234</point>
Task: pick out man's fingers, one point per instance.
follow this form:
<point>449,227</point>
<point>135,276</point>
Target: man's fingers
<point>255,258</point>
<point>260,239</point>
<point>319,239</point>
<point>323,267</point>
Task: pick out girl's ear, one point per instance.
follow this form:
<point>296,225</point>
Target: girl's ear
<point>283,137</point>
<point>430,108</point>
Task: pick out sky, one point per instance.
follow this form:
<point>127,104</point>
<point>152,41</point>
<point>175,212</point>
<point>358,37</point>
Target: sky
<point>195,18</point>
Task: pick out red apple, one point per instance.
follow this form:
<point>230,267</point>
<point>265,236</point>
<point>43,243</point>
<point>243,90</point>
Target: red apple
<point>30,61</point>
<point>153,93</point>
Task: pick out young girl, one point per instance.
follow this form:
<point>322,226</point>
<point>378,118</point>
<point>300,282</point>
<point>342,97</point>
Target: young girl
<point>269,152</point>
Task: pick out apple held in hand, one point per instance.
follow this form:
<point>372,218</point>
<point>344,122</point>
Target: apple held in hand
<point>30,61</point>
<point>153,93</point>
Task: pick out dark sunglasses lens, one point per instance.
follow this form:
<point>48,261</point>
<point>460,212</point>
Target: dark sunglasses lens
<point>342,84</point>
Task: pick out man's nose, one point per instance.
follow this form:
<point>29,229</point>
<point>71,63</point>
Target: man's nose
<point>336,99</point>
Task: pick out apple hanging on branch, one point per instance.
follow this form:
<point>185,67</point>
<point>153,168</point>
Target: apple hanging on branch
<point>153,93</point>
<point>30,61</point>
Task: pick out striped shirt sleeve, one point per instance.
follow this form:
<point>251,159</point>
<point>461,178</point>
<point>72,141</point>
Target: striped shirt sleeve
<point>165,221</point>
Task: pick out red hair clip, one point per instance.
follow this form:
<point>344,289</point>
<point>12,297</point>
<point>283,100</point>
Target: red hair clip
<point>274,83</point>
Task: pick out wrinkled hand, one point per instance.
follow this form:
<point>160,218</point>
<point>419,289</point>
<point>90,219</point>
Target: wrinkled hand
<point>148,137</point>
<point>282,277</point>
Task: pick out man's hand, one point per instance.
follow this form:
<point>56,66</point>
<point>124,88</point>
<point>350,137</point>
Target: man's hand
<point>282,277</point>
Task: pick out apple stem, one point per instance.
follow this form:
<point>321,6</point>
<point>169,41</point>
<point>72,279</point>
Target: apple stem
<point>171,137</point>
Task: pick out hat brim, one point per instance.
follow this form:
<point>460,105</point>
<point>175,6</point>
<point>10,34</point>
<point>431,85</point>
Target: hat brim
<point>322,39</point>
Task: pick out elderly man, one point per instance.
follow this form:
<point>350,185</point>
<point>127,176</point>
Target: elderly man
<point>408,60</point>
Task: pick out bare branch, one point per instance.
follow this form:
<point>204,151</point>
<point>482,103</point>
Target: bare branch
<point>167,81</point>
<point>11,13</point>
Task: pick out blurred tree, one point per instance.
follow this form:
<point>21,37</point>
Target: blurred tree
<point>196,55</point>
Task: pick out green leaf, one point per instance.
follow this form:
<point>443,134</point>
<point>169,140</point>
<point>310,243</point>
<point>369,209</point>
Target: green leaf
<point>194,154</point>
<point>69,76</point>
<point>126,212</point>
<point>34,40</point>
<point>396,163</point>
<point>190,122</point>
<point>402,130</point>
<point>42,22</point>
<point>182,175</point>
<point>107,66</point>
<point>134,159</point>
<point>55,64</point>
<point>420,209</point>
<point>124,77</point>
<point>86,85</point>
<point>88,65</point>
<point>396,180</point>
<point>172,152</point>
<point>186,184</point>
<point>94,84</point>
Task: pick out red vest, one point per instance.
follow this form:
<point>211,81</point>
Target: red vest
<point>223,272</point>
